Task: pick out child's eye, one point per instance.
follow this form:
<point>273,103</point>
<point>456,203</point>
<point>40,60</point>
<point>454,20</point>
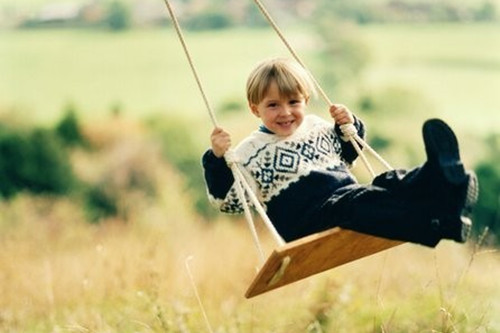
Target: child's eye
<point>272,105</point>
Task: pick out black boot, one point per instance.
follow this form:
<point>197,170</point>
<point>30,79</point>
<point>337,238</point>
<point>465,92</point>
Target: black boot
<point>454,221</point>
<point>456,190</point>
<point>441,147</point>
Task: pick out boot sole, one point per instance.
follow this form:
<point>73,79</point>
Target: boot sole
<point>470,200</point>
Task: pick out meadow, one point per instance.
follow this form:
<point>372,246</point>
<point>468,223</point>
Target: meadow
<point>60,273</point>
<point>457,67</point>
<point>143,72</point>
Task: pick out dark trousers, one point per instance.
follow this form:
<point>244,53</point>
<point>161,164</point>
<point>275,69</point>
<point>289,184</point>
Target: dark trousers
<point>398,204</point>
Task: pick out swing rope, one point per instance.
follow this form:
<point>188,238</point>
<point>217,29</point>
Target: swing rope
<point>241,184</point>
<point>348,130</point>
<point>191,63</point>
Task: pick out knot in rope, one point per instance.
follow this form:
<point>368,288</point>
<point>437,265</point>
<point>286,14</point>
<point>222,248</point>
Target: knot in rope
<point>349,131</point>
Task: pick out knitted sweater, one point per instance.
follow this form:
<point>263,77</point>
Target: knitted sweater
<point>292,176</point>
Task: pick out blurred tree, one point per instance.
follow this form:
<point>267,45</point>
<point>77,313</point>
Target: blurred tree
<point>68,128</point>
<point>12,147</point>
<point>180,149</point>
<point>363,12</point>
<point>209,20</point>
<point>253,17</point>
<point>99,203</point>
<point>487,212</point>
<point>118,16</point>
<point>342,51</point>
<point>486,12</point>
<point>47,166</point>
<point>232,104</point>
<point>33,161</point>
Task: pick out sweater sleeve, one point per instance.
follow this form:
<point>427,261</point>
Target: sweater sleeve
<point>349,153</point>
<point>218,176</point>
<point>220,184</point>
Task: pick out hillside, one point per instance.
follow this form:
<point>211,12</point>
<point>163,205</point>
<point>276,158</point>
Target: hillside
<point>132,272</point>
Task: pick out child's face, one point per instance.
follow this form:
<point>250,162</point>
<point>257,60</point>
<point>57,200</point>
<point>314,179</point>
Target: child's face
<point>280,114</point>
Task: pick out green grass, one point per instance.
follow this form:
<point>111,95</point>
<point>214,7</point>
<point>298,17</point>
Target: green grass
<point>143,71</point>
<point>455,66</point>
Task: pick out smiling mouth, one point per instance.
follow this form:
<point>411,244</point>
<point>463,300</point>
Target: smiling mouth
<point>286,123</point>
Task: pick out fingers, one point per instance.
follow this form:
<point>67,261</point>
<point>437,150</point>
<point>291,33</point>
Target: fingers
<point>341,114</point>
<point>221,141</point>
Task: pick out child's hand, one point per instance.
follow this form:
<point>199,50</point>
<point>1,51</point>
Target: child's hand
<point>221,141</point>
<point>341,114</point>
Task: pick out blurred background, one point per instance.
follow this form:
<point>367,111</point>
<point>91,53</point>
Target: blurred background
<point>102,128</point>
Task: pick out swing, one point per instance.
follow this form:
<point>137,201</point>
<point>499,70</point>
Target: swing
<point>312,254</point>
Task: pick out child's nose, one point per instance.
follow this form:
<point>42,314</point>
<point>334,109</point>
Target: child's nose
<point>285,110</point>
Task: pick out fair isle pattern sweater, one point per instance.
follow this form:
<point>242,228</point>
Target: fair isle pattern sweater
<point>292,176</point>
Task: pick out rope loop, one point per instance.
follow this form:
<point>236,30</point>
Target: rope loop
<point>349,131</point>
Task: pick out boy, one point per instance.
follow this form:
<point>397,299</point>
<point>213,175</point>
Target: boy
<point>298,164</point>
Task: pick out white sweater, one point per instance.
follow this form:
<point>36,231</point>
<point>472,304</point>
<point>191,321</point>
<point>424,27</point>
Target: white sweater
<point>292,176</point>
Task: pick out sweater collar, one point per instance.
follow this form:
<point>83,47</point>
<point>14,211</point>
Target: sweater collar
<point>264,129</point>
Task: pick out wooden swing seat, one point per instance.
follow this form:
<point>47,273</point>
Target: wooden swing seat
<point>314,254</point>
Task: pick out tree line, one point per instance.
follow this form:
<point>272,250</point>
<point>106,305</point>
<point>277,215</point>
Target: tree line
<point>120,15</point>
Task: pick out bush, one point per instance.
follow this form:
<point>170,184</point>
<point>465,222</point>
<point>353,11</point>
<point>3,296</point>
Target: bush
<point>254,18</point>
<point>179,149</point>
<point>126,179</point>
<point>99,203</point>
<point>232,105</point>
<point>342,52</point>
<point>209,20</point>
<point>363,12</point>
<point>486,12</point>
<point>33,161</point>
<point>47,168</point>
<point>118,16</point>
<point>487,211</point>
<point>12,146</point>
<point>68,128</point>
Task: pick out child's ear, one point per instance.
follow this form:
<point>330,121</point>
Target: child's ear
<point>254,109</point>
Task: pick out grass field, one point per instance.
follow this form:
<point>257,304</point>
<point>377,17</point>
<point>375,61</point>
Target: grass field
<point>143,71</point>
<point>61,274</point>
<point>456,67</point>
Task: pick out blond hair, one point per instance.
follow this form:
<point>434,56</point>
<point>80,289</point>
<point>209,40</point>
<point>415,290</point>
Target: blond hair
<point>290,77</point>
